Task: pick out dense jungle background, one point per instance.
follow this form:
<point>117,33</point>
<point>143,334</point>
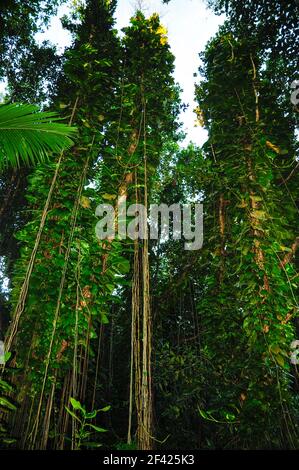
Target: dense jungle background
<point>142,344</point>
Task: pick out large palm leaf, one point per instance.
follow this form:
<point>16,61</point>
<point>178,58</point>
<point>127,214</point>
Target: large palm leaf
<point>28,136</point>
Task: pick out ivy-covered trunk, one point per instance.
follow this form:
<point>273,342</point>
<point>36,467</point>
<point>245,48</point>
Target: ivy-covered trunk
<point>59,290</point>
<point>124,102</point>
<point>148,111</point>
<point>249,329</point>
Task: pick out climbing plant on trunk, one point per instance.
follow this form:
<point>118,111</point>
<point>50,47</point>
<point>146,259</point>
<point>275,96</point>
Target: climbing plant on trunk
<point>59,243</point>
<point>254,302</point>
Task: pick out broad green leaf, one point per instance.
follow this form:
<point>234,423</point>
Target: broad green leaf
<point>76,404</point>
<point>7,356</point>
<point>96,428</point>
<point>106,408</point>
<point>91,415</point>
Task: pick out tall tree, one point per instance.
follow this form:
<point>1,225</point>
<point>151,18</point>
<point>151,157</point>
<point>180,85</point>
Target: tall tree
<point>53,249</point>
<point>31,71</point>
<point>251,324</point>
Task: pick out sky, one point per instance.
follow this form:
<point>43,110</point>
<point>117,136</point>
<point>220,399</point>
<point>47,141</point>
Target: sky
<point>190,25</point>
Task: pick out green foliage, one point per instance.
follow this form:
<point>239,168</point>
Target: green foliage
<point>6,407</point>
<point>28,136</point>
<point>32,69</point>
<point>208,415</point>
<point>247,332</point>
<point>125,446</point>
<point>85,429</point>
<point>224,316</point>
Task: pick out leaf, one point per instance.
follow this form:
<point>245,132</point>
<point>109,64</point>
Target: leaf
<point>285,248</point>
<point>104,319</point>
<point>5,386</point>
<point>256,198</point>
<point>28,136</point>
<point>106,408</point>
<point>242,204</point>
<point>203,414</point>
<point>162,31</point>
<point>124,266</point>
<point>7,356</point>
<point>272,146</point>
<point>275,349</point>
<point>257,214</point>
<point>280,360</point>
<point>76,404</point>
<point>7,404</point>
<point>109,197</point>
<point>85,202</point>
<point>86,123</point>
<point>96,428</point>
<point>91,415</point>
<point>9,440</point>
<point>230,416</point>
